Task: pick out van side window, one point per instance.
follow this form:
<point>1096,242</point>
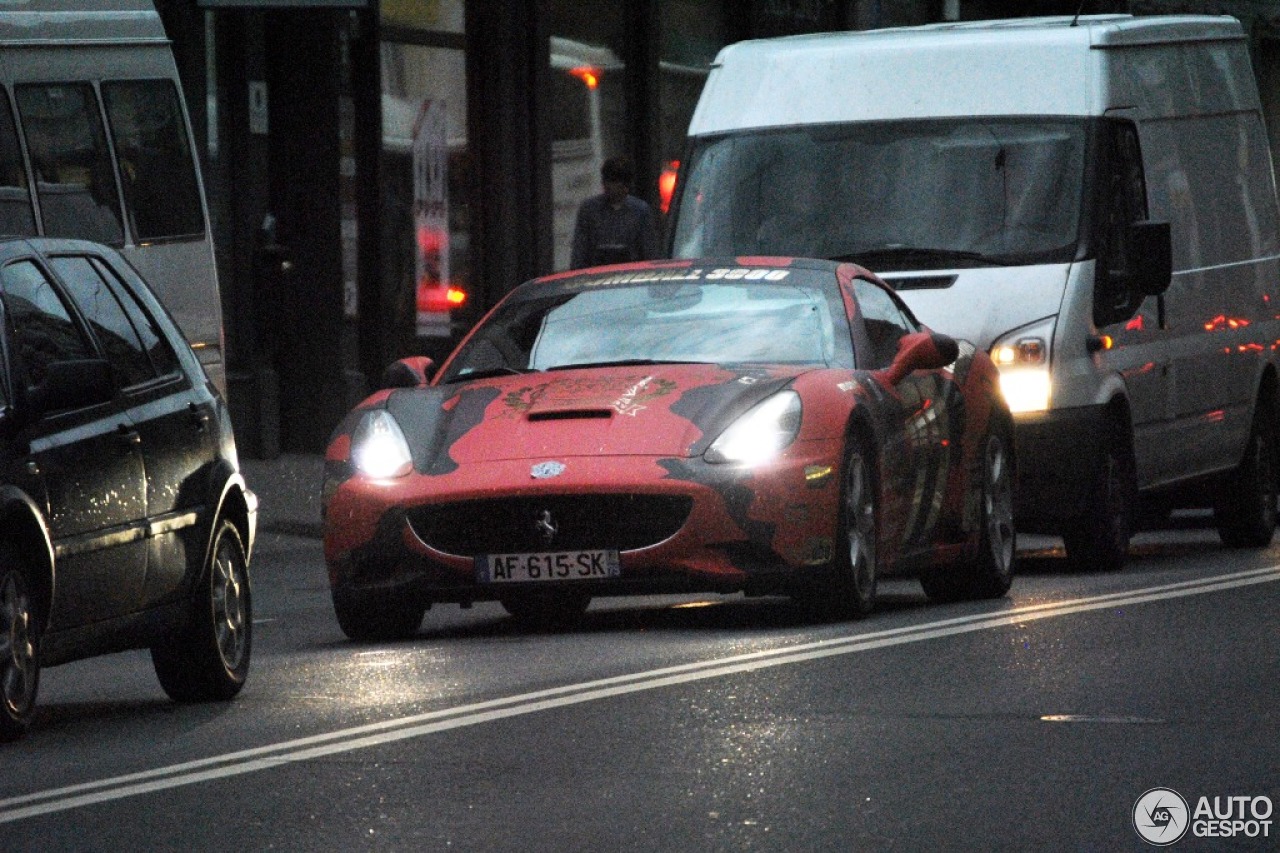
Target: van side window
<point>1124,199</point>
<point>157,169</point>
<point>117,332</point>
<point>40,324</point>
<point>17,216</point>
<point>884,321</point>
<point>74,178</point>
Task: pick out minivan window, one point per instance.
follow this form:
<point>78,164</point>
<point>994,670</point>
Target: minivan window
<point>161,196</point>
<point>75,182</point>
<point>17,216</point>
<point>40,324</point>
<point>928,194</point>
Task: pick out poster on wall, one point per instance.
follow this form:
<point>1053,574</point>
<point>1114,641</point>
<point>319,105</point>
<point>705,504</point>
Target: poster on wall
<point>431,215</point>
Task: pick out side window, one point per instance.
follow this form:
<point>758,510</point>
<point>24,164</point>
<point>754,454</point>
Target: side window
<point>163,358</point>
<point>111,326</point>
<point>40,324</point>
<point>1124,200</point>
<point>17,215</point>
<point>157,169</point>
<point>884,321</point>
<point>74,178</point>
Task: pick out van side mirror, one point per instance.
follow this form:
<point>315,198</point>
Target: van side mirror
<point>71,385</point>
<point>411,372</point>
<point>1150,258</point>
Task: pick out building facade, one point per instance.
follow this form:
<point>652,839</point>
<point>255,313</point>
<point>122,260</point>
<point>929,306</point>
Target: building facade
<point>371,162</point>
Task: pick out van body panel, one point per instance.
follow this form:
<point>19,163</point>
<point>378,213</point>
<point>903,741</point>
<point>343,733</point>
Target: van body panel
<point>1161,117</point>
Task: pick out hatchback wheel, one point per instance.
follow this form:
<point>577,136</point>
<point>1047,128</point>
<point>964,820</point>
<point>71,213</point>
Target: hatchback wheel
<point>209,659</point>
<point>19,649</point>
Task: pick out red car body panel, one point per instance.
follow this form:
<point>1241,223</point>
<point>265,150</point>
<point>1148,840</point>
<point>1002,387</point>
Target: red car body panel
<point>635,436</point>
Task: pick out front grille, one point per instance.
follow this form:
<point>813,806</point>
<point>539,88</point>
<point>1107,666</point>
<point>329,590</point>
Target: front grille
<point>581,522</point>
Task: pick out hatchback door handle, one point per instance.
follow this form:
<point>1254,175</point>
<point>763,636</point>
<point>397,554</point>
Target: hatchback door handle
<point>128,437</point>
<point>199,416</point>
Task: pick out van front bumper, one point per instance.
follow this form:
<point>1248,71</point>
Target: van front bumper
<point>1057,457</point>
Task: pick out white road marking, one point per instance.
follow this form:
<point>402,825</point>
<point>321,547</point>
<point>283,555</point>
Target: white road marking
<point>418,725</point>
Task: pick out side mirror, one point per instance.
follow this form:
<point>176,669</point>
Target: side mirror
<point>922,351</point>
<point>411,372</point>
<point>72,385</point>
<point>1150,258</point>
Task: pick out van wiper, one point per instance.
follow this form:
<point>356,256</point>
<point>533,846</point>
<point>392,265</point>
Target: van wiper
<point>897,256</point>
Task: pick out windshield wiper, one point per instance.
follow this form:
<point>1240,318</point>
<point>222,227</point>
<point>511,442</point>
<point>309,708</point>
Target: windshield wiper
<point>489,373</point>
<point>623,362</point>
<point>897,253</point>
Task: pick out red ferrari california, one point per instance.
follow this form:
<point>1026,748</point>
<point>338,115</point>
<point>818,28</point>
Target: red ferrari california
<point>757,425</point>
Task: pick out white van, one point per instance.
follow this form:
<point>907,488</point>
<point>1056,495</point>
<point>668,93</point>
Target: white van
<point>1090,199</point>
<point>95,143</point>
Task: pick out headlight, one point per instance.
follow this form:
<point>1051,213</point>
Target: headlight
<point>1023,359</point>
<point>761,433</point>
<point>378,447</point>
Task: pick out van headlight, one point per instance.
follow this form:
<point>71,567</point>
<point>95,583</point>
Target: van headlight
<point>379,448</point>
<point>760,434</point>
<point>1023,359</point>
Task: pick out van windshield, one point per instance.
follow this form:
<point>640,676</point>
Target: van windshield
<point>935,194</point>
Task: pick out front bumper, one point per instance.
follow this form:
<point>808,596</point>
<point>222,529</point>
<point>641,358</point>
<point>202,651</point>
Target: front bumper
<point>758,530</point>
<point>1057,461</point>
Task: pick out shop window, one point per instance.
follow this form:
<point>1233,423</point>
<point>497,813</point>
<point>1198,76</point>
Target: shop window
<point>426,193</point>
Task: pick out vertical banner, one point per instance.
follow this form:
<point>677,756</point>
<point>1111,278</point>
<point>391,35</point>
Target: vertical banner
<point>431,201</point>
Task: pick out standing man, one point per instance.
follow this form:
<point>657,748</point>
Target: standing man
<point>615,226</point>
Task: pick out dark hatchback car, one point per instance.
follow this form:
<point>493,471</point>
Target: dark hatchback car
<point>124,519</point>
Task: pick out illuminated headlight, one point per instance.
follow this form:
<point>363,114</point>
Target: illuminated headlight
<point>761,433</point>
<point>378,447</point>
<point>1023,359</point>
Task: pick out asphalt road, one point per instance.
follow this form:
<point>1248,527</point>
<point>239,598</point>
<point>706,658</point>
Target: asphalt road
<point>697,723</point>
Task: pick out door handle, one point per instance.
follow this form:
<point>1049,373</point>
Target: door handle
<point>128,437</point>
<point>199,416</point>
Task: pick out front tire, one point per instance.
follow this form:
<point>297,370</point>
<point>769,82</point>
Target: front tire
<point>1246,508</point>
<point>208,660</point>
<point>851,589</point>
<point>1098,539</point>
<point>19,648</point>
<point>989,572</point>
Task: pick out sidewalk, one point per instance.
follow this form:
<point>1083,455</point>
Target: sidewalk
<point>288,489</point>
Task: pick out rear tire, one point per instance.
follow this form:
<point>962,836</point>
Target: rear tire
<point>1246,508</point>
<point>376,619</point>
<point>208,660</point>
<point>989,572</point>
<point>19,648</point>
<point>1098,539</point>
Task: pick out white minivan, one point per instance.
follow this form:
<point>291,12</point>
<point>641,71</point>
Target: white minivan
<point>95,143</point>
<point>1090,199</point>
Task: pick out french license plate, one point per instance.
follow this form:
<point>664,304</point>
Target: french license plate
<point>561,566</point>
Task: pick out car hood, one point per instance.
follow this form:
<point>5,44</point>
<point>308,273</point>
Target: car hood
<point>652,410</point>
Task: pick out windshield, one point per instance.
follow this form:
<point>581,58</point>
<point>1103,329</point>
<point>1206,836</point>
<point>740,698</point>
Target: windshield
<point>892,195</point>
<point>712,322</point>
